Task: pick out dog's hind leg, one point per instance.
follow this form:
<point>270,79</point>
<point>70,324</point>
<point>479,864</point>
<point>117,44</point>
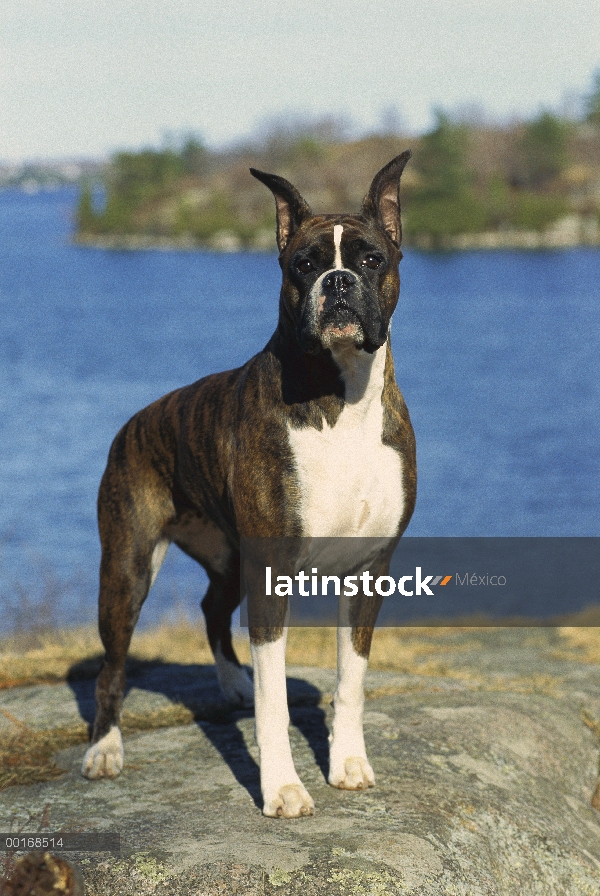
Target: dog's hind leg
<point>131,523</point>
<point>125,579</point>
<point>218,604</point>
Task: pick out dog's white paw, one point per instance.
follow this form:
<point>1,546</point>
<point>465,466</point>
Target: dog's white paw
<point>104,759</point>
<point>290,801</point>
<point>235,682</point>
<point>353,773</point>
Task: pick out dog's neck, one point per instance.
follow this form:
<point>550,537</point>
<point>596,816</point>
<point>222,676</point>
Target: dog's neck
<point>362,373</point>
<point>318,387</point>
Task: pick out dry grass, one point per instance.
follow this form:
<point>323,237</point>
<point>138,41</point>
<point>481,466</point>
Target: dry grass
<point>26,756</point>
<point>49,657</point>
<point>582,643</point>
<point>405,650</point>
<point>44,657</point>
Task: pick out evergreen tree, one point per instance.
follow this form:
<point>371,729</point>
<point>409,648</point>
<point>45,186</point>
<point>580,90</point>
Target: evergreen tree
<point>441,159</point>
<point>543,149</point>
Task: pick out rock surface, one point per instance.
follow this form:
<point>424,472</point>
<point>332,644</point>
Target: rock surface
<point>484,776</point>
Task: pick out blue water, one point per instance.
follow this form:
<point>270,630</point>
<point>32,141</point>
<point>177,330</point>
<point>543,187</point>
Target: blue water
<point>497,355</point>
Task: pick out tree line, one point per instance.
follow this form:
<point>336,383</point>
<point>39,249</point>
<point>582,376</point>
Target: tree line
<point>465,178</point>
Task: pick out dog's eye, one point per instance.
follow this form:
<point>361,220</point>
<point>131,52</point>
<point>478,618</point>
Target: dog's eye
<point>305,266</point>
<point>371,261</point>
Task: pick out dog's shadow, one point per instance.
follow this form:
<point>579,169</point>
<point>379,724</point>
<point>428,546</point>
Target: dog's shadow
<point>195,687</point>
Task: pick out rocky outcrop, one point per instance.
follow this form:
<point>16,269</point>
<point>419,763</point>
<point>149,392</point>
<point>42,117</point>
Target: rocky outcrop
<point>485,771</point>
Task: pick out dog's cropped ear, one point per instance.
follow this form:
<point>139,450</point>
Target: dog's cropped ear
<point>382,202</point>
<point>292,209</point>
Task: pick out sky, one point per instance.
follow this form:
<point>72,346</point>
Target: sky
<point>83,78</point>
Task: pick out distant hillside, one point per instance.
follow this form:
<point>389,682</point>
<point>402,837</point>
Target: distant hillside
<point>31,177</point>
<point>535,183</point>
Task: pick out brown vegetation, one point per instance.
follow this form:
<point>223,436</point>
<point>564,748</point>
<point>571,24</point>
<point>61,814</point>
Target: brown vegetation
<point>528,183</point>
<point>48,657</point>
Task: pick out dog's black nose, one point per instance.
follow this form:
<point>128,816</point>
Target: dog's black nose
<point>339,282</point>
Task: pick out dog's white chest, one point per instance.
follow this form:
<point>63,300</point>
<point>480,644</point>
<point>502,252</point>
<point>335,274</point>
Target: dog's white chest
<point>350,482</point>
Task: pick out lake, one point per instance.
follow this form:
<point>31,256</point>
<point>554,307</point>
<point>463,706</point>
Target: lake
<point>497,354</point>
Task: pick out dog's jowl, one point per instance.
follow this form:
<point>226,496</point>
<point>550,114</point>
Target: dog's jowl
<point>310,438</point>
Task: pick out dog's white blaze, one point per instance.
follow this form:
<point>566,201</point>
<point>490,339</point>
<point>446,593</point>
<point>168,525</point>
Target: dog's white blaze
<point>350,482</point>
<point>234,680</point>
<point>282,790</point>
<point>337,242</point>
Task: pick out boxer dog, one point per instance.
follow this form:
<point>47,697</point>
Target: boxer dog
<point>310,438</point>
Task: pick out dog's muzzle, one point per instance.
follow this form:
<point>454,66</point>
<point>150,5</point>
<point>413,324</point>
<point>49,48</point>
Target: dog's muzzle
<point>340,308</point>
<point>339,312</point>
<point>350,312</point>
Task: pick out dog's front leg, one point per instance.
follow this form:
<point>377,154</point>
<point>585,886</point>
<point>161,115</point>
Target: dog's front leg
<point>282,790</point>
<point>349,767</point>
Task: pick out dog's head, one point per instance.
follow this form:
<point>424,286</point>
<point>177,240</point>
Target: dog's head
<point>340,272</point>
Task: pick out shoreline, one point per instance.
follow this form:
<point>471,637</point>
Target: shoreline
<point>574,232</point>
